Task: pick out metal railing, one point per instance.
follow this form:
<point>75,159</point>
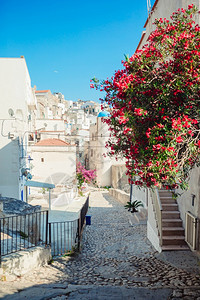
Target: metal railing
<point>62,236</point>
<point>23,232</point>
<point>30,230</point>
<point>158,211</point>
<point>81,221</point>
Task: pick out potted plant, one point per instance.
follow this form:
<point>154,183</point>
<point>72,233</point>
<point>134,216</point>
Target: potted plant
<point>132,206</point>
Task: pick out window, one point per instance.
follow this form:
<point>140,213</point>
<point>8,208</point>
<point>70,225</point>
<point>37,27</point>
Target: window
<point>42,159</point>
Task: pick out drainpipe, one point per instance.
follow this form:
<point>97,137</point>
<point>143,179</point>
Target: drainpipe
<point>131,191</point>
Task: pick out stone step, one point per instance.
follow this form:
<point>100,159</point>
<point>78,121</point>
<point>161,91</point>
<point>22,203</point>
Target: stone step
<point>170,215</point>
<point>173,240</point>
<point>175,247</point>
<point>165,193</point>
<point>173,231</point>
<point>170,207</point>
<point>167,200</point>
<point>172,223</point>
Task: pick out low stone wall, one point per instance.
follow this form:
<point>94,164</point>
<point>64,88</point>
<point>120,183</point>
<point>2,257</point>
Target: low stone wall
<point>23,261</point>
<point>119,195</point>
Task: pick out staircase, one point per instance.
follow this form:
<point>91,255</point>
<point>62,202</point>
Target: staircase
<point>173,234</point>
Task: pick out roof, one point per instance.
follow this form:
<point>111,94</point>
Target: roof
<point>52,142</point>
<point>42,91</point>
<point>155,3</point>
<point>140,42</point>
<point>54,131</point>
<point>103,114</point>
<point>39,184</point>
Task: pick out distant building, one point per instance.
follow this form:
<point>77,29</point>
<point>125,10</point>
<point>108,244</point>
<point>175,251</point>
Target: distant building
<point>99,135</point>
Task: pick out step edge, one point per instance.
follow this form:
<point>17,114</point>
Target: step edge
<point>172,228</point>
<point>175,237</point>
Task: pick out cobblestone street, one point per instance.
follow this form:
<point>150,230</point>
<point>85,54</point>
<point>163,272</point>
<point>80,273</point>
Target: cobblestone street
<point>116,262</point>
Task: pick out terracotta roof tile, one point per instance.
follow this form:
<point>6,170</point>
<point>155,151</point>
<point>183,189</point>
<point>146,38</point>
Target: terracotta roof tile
<point>42,91</point>
<point>52,142</point>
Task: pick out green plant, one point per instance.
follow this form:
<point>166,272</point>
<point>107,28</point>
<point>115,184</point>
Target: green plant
<point>132,206</point>
<point>72,252</point>
<point>23,235</point>
<point>50,261</point>
<point>107,187</point>
<point>154,120</point>
<point>43,190</point>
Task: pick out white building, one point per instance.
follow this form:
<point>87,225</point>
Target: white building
<point>54,161</point>
<point>164,9</point>
<point>17,99</point>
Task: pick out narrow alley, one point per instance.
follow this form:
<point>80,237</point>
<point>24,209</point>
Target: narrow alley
<point>116,262</point>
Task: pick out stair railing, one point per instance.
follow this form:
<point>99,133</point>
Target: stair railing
<point>158,211</point>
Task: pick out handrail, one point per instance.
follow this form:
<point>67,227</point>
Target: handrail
<point>158,211</point>
<point>158,198</point>
<point>81,220</point>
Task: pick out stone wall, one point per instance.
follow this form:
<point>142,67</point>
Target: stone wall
<point>24,261</point>
<point>119,178</point>
<point>121,196</point>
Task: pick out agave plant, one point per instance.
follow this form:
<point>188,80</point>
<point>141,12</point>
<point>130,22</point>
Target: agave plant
<point>132,206</point>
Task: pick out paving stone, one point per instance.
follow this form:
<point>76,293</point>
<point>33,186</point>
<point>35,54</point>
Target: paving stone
<point>114,254</point>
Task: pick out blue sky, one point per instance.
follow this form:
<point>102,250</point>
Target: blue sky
<point>66,43</point>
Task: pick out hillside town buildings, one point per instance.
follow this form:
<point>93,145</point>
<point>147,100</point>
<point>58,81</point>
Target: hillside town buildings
<point>42,134</point>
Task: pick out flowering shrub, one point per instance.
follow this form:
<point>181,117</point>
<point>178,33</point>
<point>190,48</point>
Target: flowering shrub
<point>84,176</point>
<point>155,102</point>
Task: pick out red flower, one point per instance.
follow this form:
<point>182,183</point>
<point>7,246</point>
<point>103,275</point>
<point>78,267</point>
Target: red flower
<point>123,120</point>
<point>156,147</point>
<point>179,139</point>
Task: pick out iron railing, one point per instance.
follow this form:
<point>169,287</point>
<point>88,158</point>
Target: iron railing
<point>81,221</point>
<point>27,231</point>
<point>158,211</point>
<point>62,236</point>
<point>23,232</point>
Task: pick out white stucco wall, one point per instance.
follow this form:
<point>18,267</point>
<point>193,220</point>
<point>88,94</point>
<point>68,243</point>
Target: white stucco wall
<point>185,198</point>
<point>15,94</point>
<point>164,9</point>
<point>139,194</point>
<point>152,231</point>
<point>50,124</point>
<point>53,164</point>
